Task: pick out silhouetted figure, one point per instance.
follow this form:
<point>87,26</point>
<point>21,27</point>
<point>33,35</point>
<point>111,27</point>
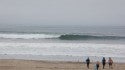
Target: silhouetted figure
<point>110,61</point>
<point>103,62</point>
<point>88,61</point>
<point>97,65</point>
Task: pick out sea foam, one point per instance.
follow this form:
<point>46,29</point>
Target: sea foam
<point>28,36</point>
<point>70,49</point>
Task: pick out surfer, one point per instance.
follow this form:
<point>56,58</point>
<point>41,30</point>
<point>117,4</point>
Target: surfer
<point>103,62</point>
<point>88,61</point>
<point>110,62</point>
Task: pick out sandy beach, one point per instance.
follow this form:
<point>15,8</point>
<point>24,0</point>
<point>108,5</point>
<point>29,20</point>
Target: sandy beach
<point>9,64</point>
<point>62,34</point>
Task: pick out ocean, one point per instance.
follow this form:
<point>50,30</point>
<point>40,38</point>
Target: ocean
<point>62,43</point>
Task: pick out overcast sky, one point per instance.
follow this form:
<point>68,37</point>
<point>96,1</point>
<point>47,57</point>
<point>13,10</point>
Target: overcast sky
<point>68,12</point>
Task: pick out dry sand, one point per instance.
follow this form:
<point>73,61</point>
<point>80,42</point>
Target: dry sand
<point>7,64</point>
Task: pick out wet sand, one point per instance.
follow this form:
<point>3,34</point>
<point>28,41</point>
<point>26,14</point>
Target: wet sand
<point>9,64</point>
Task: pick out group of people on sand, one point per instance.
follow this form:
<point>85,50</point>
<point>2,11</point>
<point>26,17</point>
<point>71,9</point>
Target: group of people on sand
<point>96,67</point>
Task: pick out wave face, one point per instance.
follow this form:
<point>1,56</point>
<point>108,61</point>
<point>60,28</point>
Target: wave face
<point>88,37</point>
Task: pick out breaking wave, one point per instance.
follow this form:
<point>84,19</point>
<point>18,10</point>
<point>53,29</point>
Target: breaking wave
<point>28,36</point>
<point>61,37</point>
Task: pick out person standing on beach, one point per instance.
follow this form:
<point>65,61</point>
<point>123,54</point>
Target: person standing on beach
<point>103,62</point>
<point>97,65</point>
<point>88,61</point>
<point>110,62</point>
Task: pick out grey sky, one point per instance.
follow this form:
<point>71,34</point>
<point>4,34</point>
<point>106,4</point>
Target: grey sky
<point>81,12</point>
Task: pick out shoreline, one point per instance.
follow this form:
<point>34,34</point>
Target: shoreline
<point>63,58</point>
<point>18,64</point>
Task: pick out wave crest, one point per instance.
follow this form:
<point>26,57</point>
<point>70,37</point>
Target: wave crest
<point>28,36</point>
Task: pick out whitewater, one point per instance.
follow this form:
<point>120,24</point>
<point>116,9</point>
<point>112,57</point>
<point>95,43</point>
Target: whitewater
<point>63,45</point>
